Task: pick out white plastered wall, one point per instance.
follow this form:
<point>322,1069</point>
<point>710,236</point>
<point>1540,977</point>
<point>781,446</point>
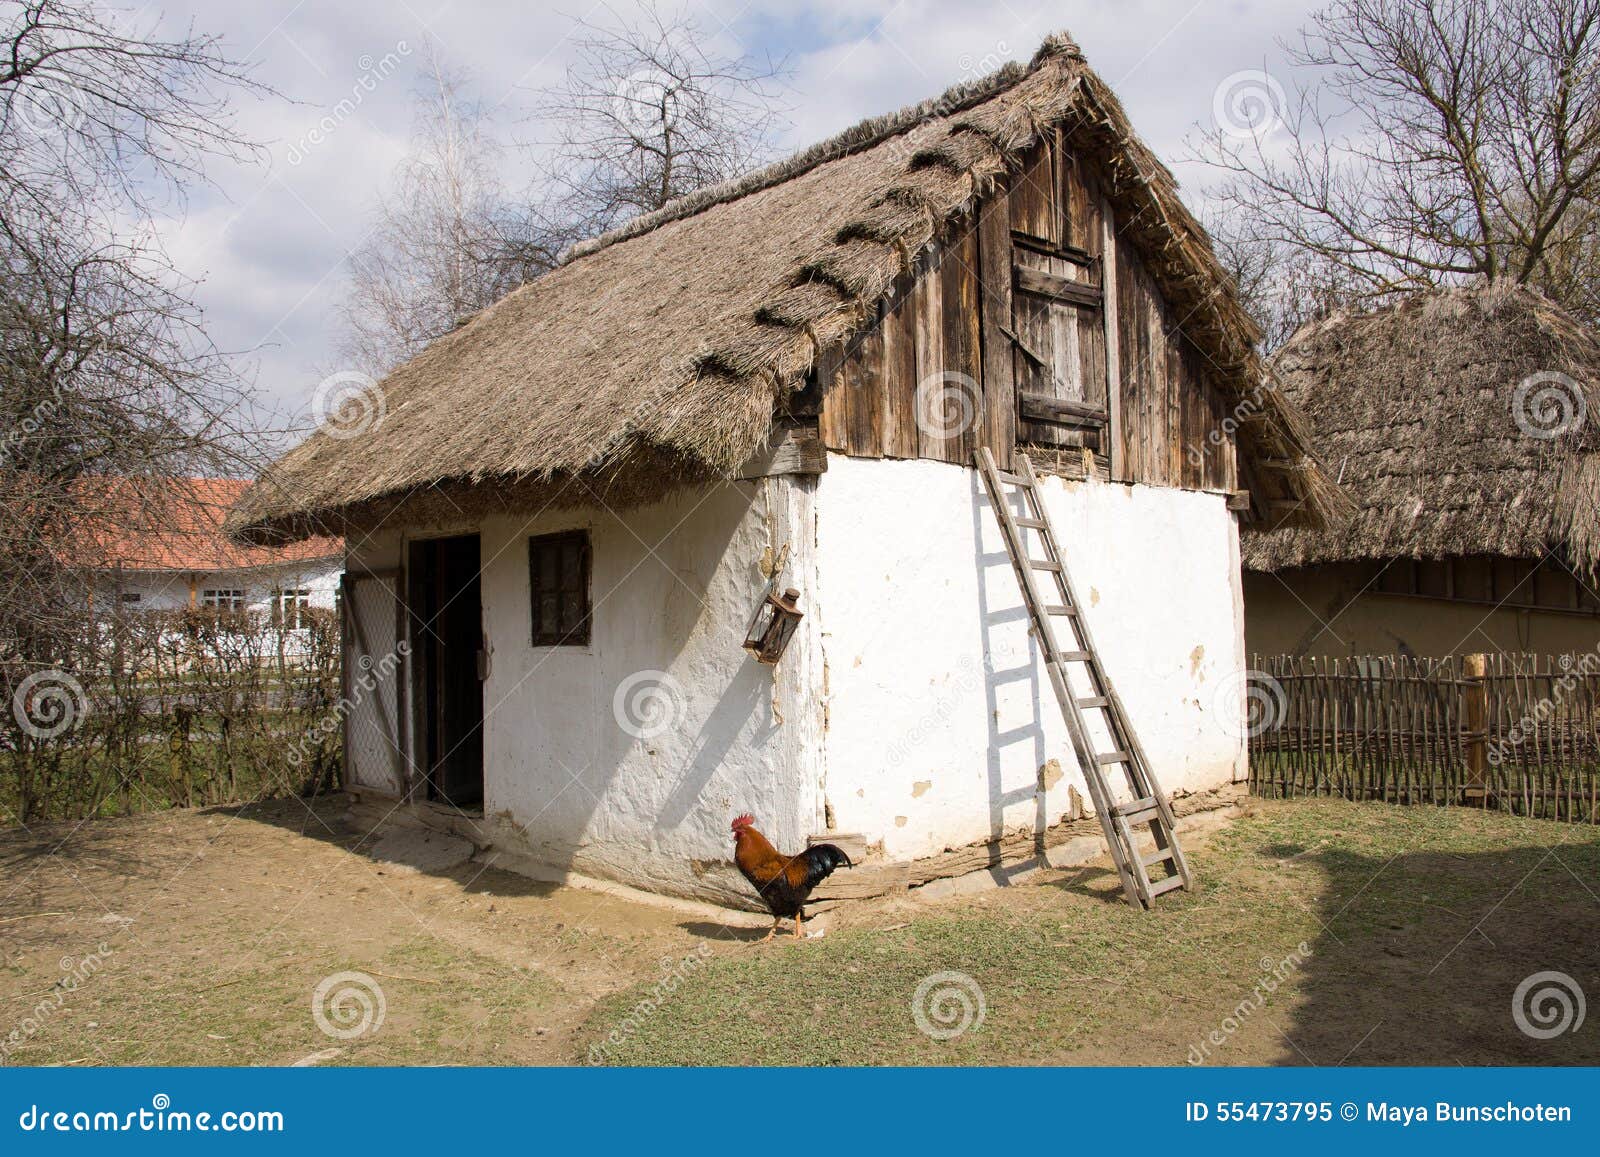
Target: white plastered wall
<point>578,774</point>
<point>942,727</point>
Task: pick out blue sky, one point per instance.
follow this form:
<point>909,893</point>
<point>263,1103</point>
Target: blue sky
<point>270,241</point>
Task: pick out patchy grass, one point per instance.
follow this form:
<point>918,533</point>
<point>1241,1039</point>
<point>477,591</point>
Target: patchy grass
<point>219,924</point>
<point>1419,924</point>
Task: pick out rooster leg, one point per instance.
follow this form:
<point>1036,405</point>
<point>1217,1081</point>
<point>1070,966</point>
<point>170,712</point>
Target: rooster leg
<point>799,923</point>
<point>771,932</point>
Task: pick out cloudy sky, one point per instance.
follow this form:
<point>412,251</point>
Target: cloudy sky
<point>270,242</point>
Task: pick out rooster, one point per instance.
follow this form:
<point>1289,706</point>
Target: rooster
<point>785,882</point>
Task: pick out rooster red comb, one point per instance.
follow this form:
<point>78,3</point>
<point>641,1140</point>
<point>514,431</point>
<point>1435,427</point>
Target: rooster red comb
<point>743,821</point>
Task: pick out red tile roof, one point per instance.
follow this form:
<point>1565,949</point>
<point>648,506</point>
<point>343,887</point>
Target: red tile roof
<point>177,526</point>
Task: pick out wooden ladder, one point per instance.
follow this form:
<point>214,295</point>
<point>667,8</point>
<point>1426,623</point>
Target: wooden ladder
<point>1149,805</point>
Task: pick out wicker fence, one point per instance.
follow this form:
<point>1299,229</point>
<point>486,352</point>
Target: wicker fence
<point>1520,733</point>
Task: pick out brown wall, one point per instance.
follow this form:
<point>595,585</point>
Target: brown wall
<point>999,337</point>
<point>1286,613</point>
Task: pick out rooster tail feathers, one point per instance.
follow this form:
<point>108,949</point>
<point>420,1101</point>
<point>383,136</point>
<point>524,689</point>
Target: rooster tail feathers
<point>822,859</point>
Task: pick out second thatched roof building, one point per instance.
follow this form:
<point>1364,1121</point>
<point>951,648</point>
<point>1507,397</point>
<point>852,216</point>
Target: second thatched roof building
<point>1463,424</point>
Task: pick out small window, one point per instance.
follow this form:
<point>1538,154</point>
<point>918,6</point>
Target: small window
<point>558,570</point>
<point>132,597</point>
<point>291,607</point>
<point>225,599</point>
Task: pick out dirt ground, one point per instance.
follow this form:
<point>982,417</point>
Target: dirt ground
<point>215,927</point>
<point>202,937</point>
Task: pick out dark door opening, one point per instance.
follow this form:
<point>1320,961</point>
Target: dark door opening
<point>447,641</point>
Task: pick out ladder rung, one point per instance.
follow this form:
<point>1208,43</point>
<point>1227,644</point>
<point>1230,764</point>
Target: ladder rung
<point>1167,885</point>
<point>1011,479</point>
<point>1114,757</point>
<point>1137,811</point>
<point>1158,856</point>
<point>1073,656</point>
<point>1030,523</point>
<point>1041,564</point>
<point>1061,610</point>
<point>1094,701</point>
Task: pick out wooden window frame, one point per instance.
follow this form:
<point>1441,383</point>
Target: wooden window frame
<point>579,635</point>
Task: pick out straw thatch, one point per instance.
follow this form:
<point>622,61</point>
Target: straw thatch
<point>1445,420</point>
<point>657,353</point>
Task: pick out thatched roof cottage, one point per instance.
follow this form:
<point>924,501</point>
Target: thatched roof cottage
<point>1462,423</point>
<point>565,513</point>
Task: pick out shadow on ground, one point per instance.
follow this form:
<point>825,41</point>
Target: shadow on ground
<point>1421,956</point>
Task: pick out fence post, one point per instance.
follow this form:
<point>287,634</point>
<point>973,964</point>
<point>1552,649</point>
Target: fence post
<point>1475,717</point>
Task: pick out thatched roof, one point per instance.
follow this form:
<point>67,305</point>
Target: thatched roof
<point>1444,419</point>
<point>658,352</point>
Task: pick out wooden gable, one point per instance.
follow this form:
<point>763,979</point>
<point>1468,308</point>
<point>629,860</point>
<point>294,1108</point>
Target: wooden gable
<point>1032,322</point>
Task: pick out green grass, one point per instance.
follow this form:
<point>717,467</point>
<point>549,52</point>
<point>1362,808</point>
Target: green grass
<point>1386,898</point>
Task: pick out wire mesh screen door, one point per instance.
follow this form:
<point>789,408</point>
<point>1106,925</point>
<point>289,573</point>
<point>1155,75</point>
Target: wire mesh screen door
<point>374,651</point>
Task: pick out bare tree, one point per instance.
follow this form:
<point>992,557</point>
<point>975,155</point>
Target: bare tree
<point>108,386</point>
<point>447,241</point>
<point>1439,141</point>
<point>650,111</point>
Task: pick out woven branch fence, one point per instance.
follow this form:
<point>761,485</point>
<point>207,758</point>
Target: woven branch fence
<point>1518,733</point>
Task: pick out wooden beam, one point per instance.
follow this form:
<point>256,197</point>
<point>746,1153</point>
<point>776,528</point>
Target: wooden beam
<point>789,450</point>
<point>1042,284</point>
<point>1070,253</point>
<point>1239,501</point>
<point>999,429</point>
<point>1116,468</point>
<point>1038,407</point>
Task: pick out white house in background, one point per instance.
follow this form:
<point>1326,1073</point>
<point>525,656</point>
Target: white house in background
<point>561,517</point>
<point>169,552</point>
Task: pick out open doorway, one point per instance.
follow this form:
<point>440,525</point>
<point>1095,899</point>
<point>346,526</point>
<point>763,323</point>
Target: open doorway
<point>447,659</point>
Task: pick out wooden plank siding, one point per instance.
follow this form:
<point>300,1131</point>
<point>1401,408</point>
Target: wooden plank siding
<point>1012,300</point>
